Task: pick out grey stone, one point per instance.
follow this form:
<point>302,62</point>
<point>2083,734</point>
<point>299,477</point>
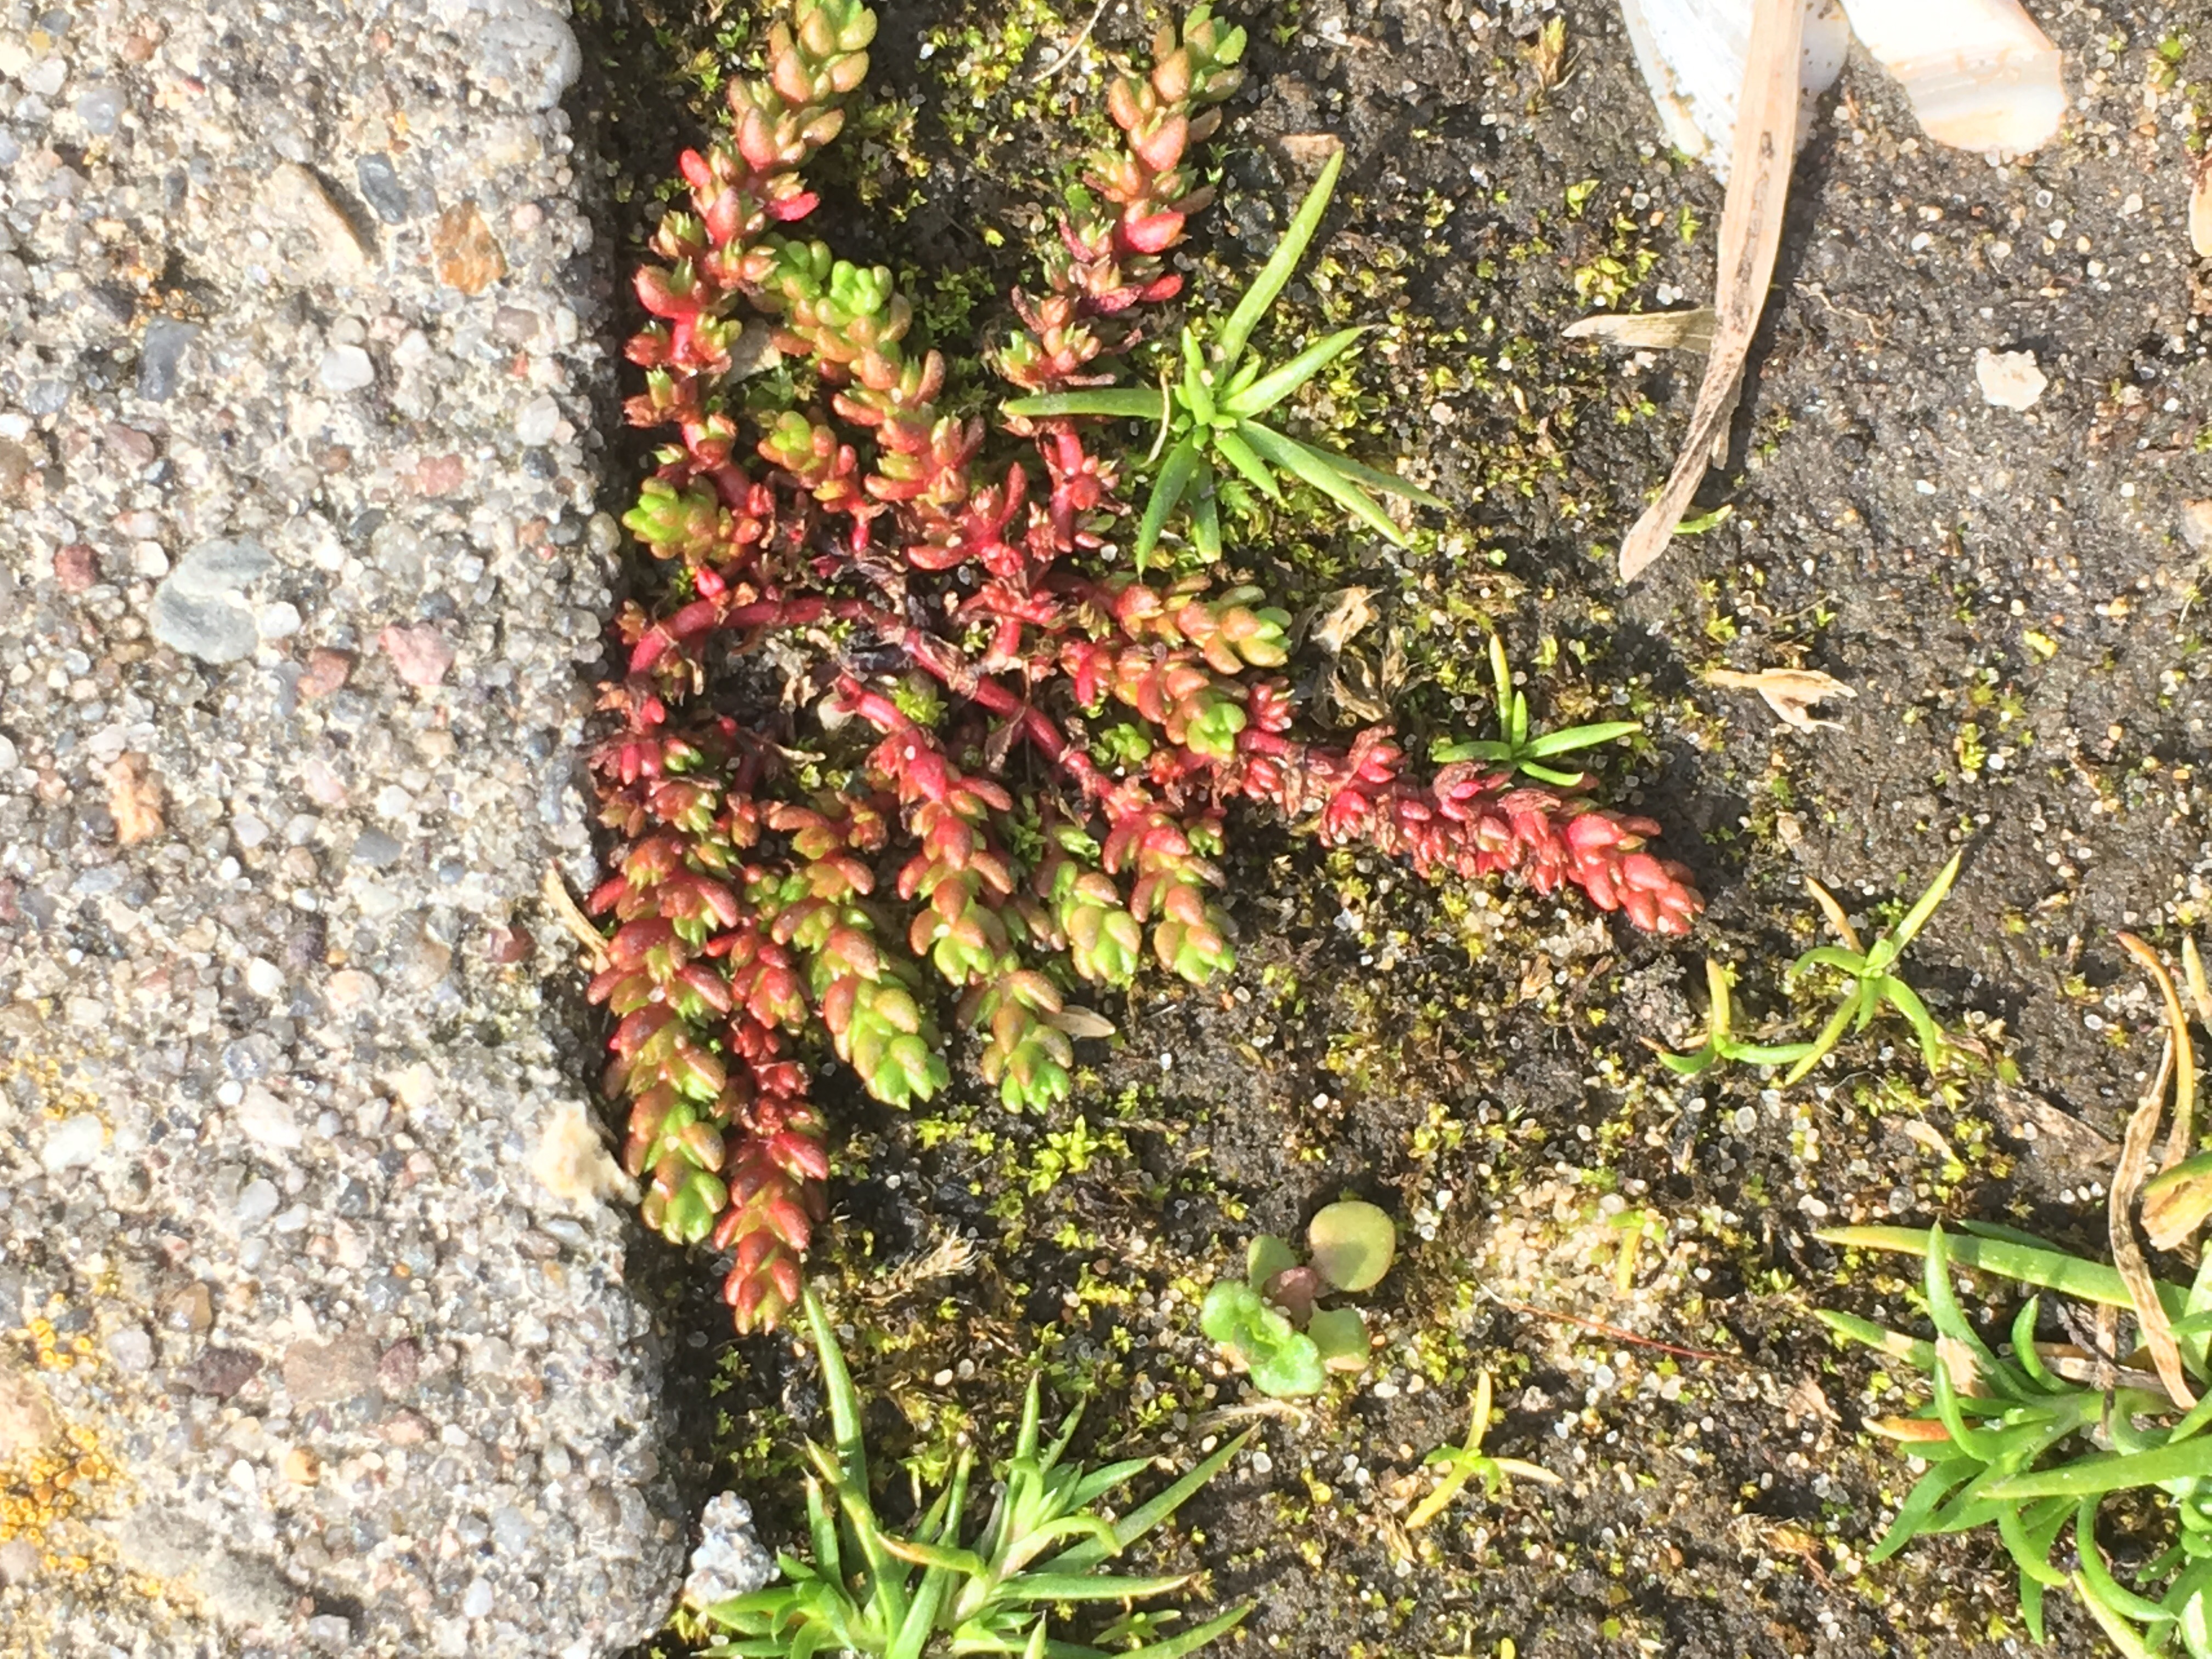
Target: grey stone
<point>100,108</point>
<point>374,850</point>
<point>131,1349</point>
<point>531,53</point>
<point>319,1373</point>
<point>214,631</point>
<point>221,569</point>
<point>381,187</point>
<point>220,1372</point>
<point>161,357</point>
<point>198,610</point>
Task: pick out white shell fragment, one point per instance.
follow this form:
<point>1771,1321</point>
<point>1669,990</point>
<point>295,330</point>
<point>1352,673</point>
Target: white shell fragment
<point>1979,74</point>
<point>1691,54</point>
<point>2009,380</point>
<point>2200,210</point>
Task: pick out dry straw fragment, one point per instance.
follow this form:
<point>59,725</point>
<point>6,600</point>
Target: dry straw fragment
<point>2200,210</point>
<point>1751,236</point>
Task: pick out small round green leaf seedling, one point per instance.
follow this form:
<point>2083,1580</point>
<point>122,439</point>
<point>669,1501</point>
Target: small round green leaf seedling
<point>1266,1257</point>
<point>1351,1243</point>
<point>1339,1335</point>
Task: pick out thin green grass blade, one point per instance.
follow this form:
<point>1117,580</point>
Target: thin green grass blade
<point>1824,1040</point>
<point>1925,906</point>
<point>837,1388</point>
<point>1086,1587</point>
<point>1241,456</point>
<point>2034,1563</point>
<point>1389,483</point>
<point>2192,1424</point>
<point>1237,333</point>
<point>1998,1229</point>
<point>1189,1641</point>
<point>1580,736</point>
<point>1694,1063</point>
<point>1139,1521</point>
<point>1918,1508</point>
<point>1197,396</point>
<point>1911,1349</point>
<point>1271,388</point>
<point>1167,491</point>
<point>1321,471</point>
<point>2121,1634</point>
<point>1829,956</point>
<point>2114,1595</point>
<point>967,1562</point>
<point>1544,773</point>
<point>2023,1344</point>
<point>1950,1319</point>
<point>1906,1000</point>
<point>1768,1053</point>
<point>1096,1484</point>
<point>2045,1269</point>
<point>822,1526</point>
<point>1205,516</point>
<point>2091,1477</point>
<point>1501,680</point>
<point>1134,403</point>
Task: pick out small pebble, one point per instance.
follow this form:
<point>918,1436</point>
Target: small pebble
<point>380,183</point>
<point>162,356</point>
<point>73,1143</point>
<point>345,368</point>
<point>537,420</point>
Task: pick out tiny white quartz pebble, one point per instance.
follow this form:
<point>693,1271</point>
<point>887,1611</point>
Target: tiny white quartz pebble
<point>345,368</point>
<point>536,422</point>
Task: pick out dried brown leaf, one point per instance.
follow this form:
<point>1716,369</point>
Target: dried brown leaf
<point>2179,1136</point>
<point>1966,1370</point>
<point>1751,236</point>
<point>1834,912</point>
<point>2127,1255</point>
<point>1341,617</point>
<point>1080,1023</point>
<point>555,893</point>
<point>134,800</point>
<point>1648,331</point>
<point>1791,693</point>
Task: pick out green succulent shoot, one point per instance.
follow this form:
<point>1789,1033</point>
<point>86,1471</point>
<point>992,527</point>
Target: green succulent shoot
<point>1212,440</point>
<point>1871,981</point>
<point>1721,1040</point>
<point>872,1592</point>
<point>1514,748</point>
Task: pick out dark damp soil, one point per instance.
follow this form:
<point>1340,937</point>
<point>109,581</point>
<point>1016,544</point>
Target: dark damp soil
<point>2008,593</point>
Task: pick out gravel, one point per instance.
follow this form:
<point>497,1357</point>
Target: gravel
<point>298,322</point>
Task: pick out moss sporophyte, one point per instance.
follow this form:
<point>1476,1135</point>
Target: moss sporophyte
<point>1046,820</point>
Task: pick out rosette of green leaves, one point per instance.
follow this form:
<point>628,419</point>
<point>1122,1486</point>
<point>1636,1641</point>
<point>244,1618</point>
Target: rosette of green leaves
<point>887,1595</point>
<point>1213,442</point>
<point>2007,1437</point>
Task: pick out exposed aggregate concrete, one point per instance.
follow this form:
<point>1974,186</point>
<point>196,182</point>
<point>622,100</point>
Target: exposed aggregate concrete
<point>314,1331</point>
